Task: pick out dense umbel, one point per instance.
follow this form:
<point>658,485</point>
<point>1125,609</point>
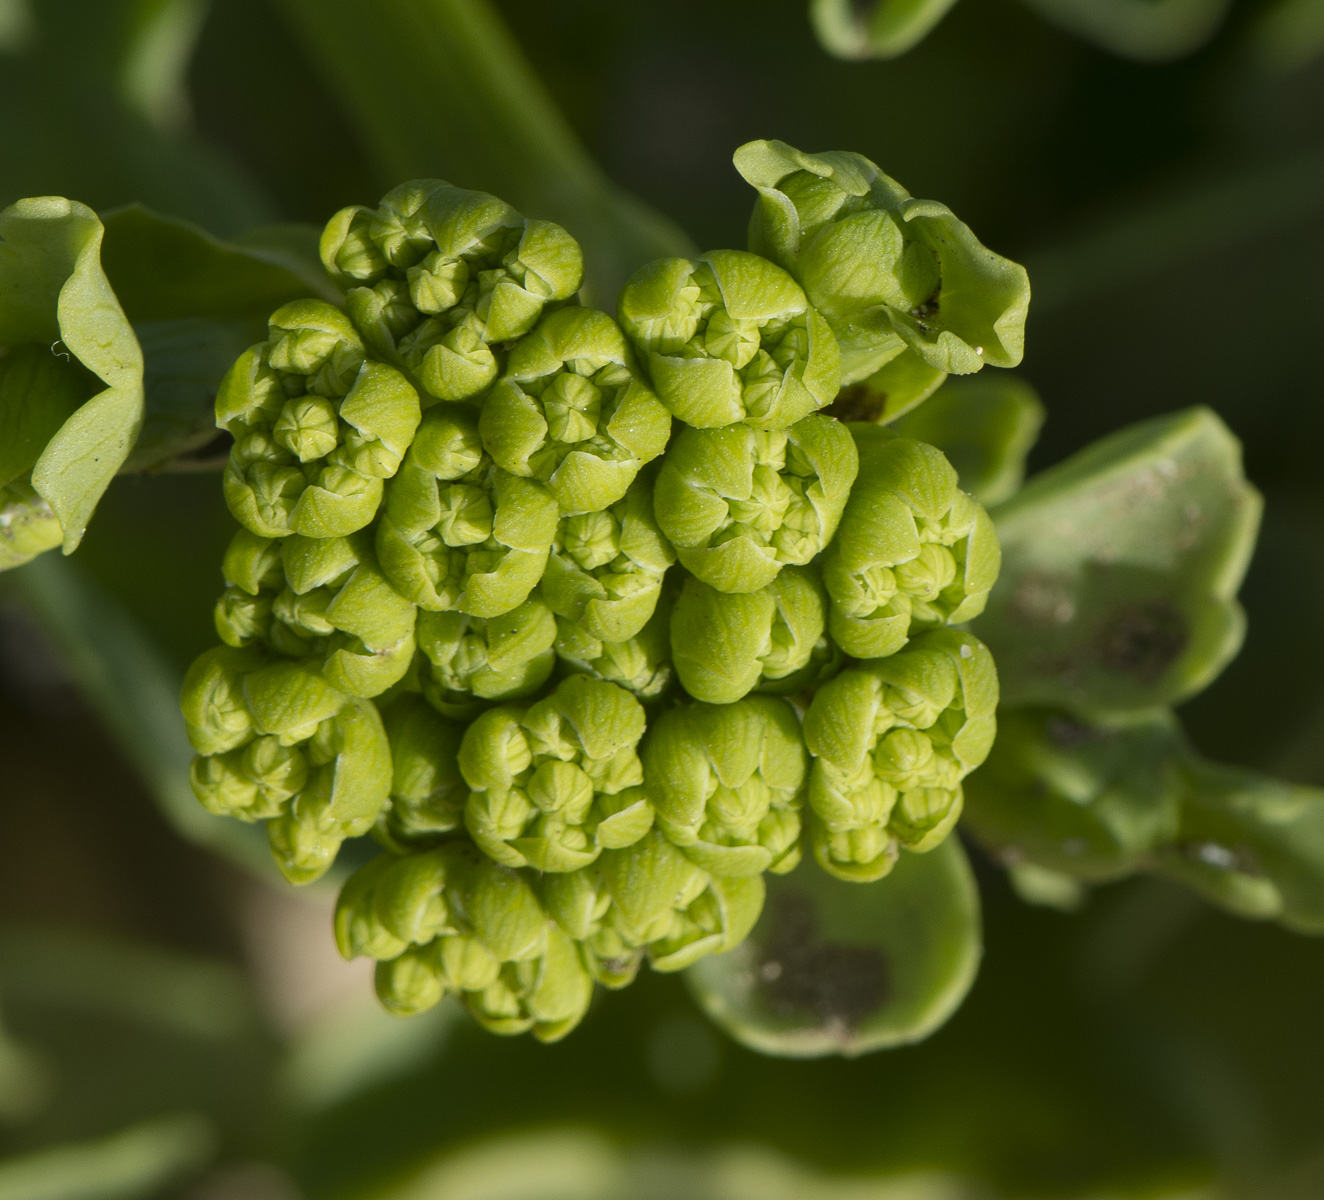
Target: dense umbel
<point>593,623</point>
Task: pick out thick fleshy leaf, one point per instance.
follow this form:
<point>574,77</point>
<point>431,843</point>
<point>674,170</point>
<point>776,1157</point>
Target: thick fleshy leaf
<point>844,968</point>
<point>1251,844</point>
<point>55,295</point>
<point>875,28</point>
<point>985,426</point>
<point>1087,801</point>
<point>1120,570</point>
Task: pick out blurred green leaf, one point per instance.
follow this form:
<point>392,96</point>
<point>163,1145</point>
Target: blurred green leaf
<point>849,968</point>
<point>1088,801</point>
<point>137,1162</point>
<point>55,299</point>
<point>1120,568</point>
<point>579,1165</point>
<point>74,90</point>
<point>1252,845</point>
<point>163,34</point>
<point>197,302</point>
<point>440,88</point>
<point>874,28</point>
<point>135,692</point>
<point>986,425</point>
<point>124,1032</point>
<point>1149,30</point>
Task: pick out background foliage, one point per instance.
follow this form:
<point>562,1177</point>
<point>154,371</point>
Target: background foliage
<point>170,1023</point>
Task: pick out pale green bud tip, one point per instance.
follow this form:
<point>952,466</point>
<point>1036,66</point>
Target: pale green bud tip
<point>550,783</point>
<point>726,780</point>
<point>606,568</point>
<point>458,533</point>
<point>725,645</point>
<point>319,599</point>
<point>427,790</point>
<point>449,922</point>
<point>471,662</point>
<point>738,503</point>
<point>862,246</point>
<point>440,277</point>
<point>316,426</point>
<point>891,741</point>
<point>730,337</point>
<point>279,745</point>
<point>663,902</point>
<point>912,550</point>
<point>572,412</point>
<point>28,527</point>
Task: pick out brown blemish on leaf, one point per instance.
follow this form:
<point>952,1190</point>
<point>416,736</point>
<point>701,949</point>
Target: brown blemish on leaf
<point>801,973</point>
<point>857,403</point>
<point>1143,641</point>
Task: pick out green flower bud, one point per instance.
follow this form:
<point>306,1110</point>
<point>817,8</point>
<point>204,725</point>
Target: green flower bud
<point>666,905</point>
<point>316,426</point>
<point>891,741</point>
<point>730,337</point>
<point>912,550</point>
<point>554,784</point>
<point>886,270</point>
<point>278,743</point>
<point>318,599</point>
<point>725,645</point>
<point>726,783</point>
<point>427,790</point>
<point>439,277</point>
<point>473,660</point>
<point>641,664</point>
<point>28,526</point>
<point>606,569</point>
<point>572,412</point>
<point>458,533</point>
<point>449,921</point>
<point>739,503</point>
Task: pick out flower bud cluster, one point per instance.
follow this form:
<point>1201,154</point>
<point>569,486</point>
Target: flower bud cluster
<point>590,624</point>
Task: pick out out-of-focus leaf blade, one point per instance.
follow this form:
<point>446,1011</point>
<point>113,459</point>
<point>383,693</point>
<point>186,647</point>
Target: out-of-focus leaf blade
<point>849,968</point>
<point>1251,844</point>
<point>75,125</point>
<point>135,692</point>
<point>1149,30</point>
<point>196,302</point>
<point>874,28</point>
<point>440,88</point>
<point>1087,801</point>
<point>986,425</point>
<point>136,1162</point>
<point>1120,569</point>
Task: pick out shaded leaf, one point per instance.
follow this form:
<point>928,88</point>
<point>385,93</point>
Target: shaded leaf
<point>892,390</point>
<point>136,1162</point>
<point>1150,30</point>
<point>1251,844</point>
<point>1084,800</point>
<point>848,968</point>
<point>1120,569</point>
<point>874,28</point>
<point>986,425</point>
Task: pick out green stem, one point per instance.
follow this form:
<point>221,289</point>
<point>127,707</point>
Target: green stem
<point>441,87</point>
<point>135,692</point>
